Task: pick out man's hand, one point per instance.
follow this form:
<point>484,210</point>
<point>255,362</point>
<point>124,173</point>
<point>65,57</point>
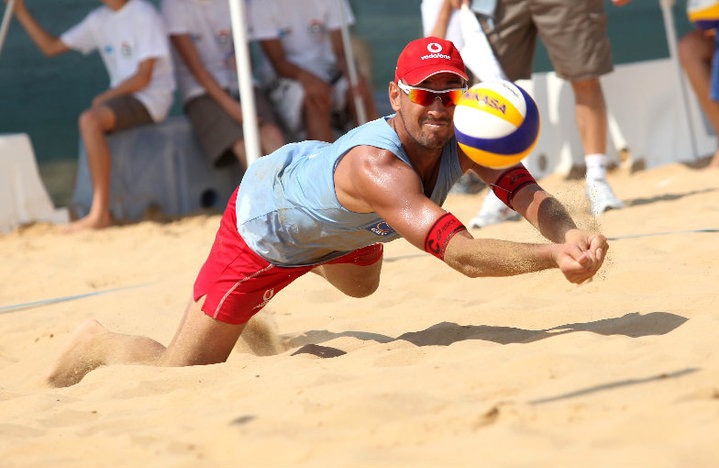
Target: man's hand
<point>581,256</point>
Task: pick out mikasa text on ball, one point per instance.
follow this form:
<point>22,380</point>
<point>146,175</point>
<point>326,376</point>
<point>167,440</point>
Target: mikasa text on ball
<point>496,123</point>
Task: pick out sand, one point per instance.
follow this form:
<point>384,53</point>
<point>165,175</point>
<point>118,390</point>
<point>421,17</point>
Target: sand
<point>434,369</point>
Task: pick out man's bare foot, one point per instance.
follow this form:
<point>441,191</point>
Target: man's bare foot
<point>79,357</point>
<point>88,222</point>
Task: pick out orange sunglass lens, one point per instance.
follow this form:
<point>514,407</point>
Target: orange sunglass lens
<point>425,98</point>
<point>454,96</point>
<point>421,97</point>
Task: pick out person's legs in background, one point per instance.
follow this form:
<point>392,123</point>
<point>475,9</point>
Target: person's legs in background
<point>591,115</point>
<point>696,53</point>
<point>221,136</point>
<point>574,34</point>
<point>95,123</point>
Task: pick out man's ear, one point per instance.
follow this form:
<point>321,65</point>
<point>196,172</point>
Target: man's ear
<point>394,95</point>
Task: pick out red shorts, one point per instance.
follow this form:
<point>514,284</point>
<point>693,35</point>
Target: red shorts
<point>238,283</point>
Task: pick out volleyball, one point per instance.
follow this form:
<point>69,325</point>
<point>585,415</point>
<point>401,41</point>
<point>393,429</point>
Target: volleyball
<point>496,123</point>
<point>704,13</point>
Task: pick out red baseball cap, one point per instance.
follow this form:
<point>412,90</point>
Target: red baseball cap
<point>426,57</point>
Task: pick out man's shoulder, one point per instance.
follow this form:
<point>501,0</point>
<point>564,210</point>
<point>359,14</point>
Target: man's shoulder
<point>371,159</point>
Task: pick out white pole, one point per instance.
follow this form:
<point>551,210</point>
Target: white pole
<point>666,6</point>
<point>6,22</point>
<point>244,75</point>
<point>351,68</point>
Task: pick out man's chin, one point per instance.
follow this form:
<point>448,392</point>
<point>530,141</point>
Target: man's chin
<point>435,142</point>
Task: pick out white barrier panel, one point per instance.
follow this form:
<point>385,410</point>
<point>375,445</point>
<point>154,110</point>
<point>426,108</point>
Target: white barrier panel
<point>23,197</point>
<point>644,99</point>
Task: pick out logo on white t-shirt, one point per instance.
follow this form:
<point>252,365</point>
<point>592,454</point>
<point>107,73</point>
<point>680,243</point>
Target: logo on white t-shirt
<point>125,49</point>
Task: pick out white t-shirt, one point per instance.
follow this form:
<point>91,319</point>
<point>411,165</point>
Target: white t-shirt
<point>209,25</point>
<point>125,38</point>
<point>304,28</point>
<point>430,11</point>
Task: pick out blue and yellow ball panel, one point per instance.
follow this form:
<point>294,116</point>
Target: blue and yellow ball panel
<point>498,134</point>
<point>704,13</point>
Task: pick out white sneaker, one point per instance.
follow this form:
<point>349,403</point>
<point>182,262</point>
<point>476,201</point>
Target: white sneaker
<point>601,197</point>
<point>493,211</point>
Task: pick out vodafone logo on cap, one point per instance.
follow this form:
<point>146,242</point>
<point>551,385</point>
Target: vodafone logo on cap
<point>435,51</point>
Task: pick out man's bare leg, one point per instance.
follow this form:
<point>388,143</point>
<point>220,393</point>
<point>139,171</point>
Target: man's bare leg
<point>696,52</point>
<point>352,280</point>
<point>199,339</point>
<point>92,346</point>
<point>591,115</point>
<point>94,123</point>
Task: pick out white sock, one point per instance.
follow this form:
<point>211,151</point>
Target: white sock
<point>596,166</point>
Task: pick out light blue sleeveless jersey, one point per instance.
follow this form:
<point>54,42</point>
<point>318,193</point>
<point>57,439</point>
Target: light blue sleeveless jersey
<point>287,209</point>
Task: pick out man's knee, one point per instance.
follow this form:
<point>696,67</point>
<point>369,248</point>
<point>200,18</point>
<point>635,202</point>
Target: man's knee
<point>363,288</point>
<point>89,120</point>
<point>347,279</point>
<point>586,87</point>
<point>96,120</point>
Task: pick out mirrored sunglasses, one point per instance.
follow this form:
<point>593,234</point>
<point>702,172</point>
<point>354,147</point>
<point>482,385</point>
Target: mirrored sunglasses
<point>425,97</point>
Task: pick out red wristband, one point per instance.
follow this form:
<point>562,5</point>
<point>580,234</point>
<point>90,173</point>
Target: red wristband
<point>510,182</point>
<point>440,233</point>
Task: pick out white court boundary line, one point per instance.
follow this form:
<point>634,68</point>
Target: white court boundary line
<point>55,300</point>
<point>664,233</point>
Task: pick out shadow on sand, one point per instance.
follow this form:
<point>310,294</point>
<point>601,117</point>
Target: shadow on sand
<point>633,325</point>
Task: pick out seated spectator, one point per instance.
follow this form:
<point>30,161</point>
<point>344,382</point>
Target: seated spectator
<point>201,33</point>
<point>131,39</point>
<point>306,71</point>
<point>699,56</point>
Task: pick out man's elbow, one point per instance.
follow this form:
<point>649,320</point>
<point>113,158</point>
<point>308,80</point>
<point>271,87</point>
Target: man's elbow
<point>54,48</point>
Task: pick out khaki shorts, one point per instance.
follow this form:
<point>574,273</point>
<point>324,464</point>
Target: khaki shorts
<point>573,32</point>
<point>216,131</point>
<point>129,112</point>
